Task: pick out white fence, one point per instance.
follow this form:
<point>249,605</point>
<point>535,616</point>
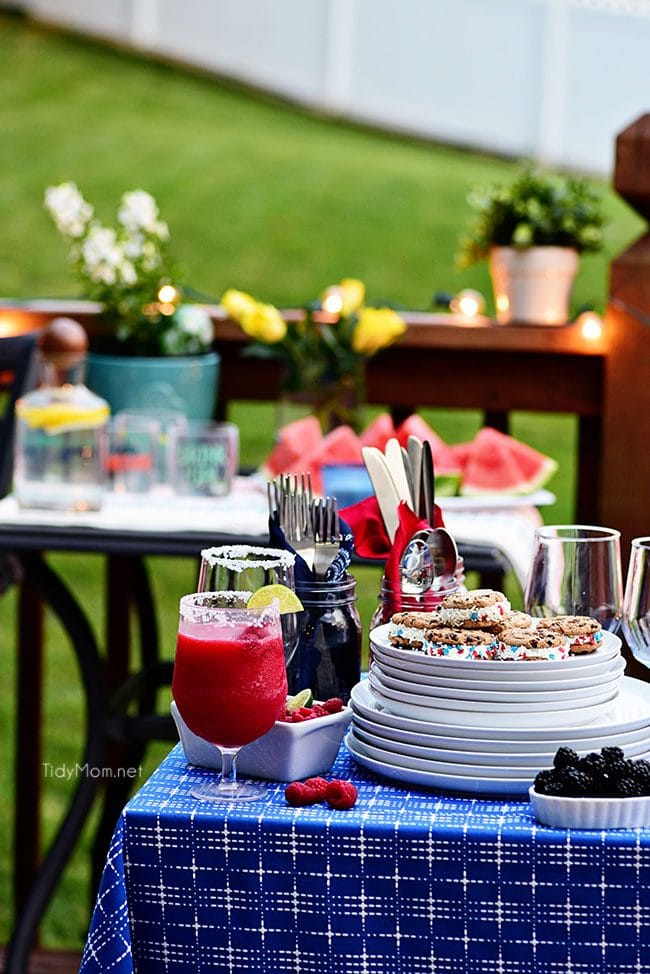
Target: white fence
<point>554,80</point>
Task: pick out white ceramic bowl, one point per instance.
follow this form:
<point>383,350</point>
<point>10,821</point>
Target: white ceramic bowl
<point>289,752</point>
<point>590,813</point>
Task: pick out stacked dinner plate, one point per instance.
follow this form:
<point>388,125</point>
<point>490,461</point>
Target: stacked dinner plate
<point>490,726</point>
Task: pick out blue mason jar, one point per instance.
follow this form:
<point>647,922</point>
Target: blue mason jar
<point>328,657</point>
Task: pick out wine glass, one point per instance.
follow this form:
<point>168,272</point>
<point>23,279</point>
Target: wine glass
<point>244,567</point>
<point>636,601</point>
<point>229,682</point>
<point>576,570</point>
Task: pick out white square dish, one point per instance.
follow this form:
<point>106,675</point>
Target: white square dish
<point>590,813</point>
<point>288,752</point>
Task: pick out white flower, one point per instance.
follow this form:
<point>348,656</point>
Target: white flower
<point>127,272</point>
<point>68,209</point>
<point>195,322</point>
<point>139,211</point>
<point>133,245</point>
<point>101,254</point>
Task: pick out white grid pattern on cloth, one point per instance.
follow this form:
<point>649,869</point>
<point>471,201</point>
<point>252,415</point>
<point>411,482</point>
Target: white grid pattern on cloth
<point>406,881</point>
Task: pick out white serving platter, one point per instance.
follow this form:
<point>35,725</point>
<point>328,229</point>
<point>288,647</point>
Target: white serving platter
<point>422,745</point>
<point>427,676</point>
<point>487,715</point>
<point>473,784</point>
<point>620,723</point>
<point>511,693</point>
<point>495,669</point>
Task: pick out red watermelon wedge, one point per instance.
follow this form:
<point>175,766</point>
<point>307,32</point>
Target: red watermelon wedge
<point>378,432</point>
<point>443,458</point>
<point>341,446</point>
<point>499,464</point>
<point>295,441</point>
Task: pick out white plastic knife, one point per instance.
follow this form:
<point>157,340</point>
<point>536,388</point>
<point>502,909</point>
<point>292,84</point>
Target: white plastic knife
<point>384,487</point>
<point>395,462</point>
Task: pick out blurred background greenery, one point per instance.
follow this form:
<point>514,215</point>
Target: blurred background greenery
<point>258,195</point>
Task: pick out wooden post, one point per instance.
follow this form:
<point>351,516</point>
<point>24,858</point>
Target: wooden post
<point>625,453</point>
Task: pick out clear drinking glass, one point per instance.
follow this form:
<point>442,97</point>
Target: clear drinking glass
<point>246,568</point>
<point>636,601</point>
<point>229,682</point>
<point>576,570</point>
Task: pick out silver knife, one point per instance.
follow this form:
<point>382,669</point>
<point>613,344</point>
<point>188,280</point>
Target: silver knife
<point>384,487</point>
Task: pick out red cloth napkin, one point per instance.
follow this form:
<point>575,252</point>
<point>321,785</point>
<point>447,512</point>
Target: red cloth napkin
<point>370,538</point>
<point>371,541</point>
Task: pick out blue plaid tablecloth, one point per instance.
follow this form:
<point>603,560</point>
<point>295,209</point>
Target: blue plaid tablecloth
<point>407,881</point>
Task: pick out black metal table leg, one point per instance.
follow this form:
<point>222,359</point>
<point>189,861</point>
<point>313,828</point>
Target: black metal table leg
<point>52,591</point>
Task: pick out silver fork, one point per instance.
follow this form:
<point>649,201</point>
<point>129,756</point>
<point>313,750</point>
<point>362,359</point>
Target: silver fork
<point>291,498</point>
<point>327,534</point>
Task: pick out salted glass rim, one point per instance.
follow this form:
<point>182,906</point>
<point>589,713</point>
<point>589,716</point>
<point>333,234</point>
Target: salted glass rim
<point>233,557</point>
<point>195,608</point>
<point>546,533</point>
<point>642,542</point>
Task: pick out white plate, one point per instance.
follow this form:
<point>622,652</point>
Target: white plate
<point>496,669</point>
<point>430,779</point>
<point>590,813</point>
<point>629,712</point>
<point>423,676</point>
<point>490,502</point>
<point>428,763</point>
<point>482,713</point>
<point>468,752</point>
<point>513,693</point>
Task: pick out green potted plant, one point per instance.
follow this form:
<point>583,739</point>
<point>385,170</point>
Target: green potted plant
<point>151,350</point>
<point>532,232</point>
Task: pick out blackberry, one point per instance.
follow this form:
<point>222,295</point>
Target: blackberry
<point>620,769</point>
<point>612,754</point>
<point>575,783</point>
<point>565,757</point>
<point>545,782</point>
<point>642,774</point>
<point>628,788</point>
<point>593,764</point>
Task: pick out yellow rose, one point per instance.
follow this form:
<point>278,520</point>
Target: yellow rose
<point>353,294</point>
<point>264,323</point>
<point>237,304</point>
<point>376,328</point>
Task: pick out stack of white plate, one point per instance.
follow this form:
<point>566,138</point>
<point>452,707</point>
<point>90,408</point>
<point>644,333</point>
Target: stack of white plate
<point>490,726</point>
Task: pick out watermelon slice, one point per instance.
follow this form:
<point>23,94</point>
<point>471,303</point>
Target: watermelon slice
<point>378,432</point>
<point>341,446</point>
<point>461,453</point>
<point>443,458</point>
<point>499,464</point>
<point>295,441</point>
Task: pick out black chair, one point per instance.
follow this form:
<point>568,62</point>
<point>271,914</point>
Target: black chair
<point>18,371</point>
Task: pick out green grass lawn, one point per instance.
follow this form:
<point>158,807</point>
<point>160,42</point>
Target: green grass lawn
<point>259,196</point>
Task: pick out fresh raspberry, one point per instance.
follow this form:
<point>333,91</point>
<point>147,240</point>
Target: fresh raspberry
<point>333,706</point>
<point>341,794</point>
<point>298,794</point>
<point>296,717</point>
<point>318,786</point>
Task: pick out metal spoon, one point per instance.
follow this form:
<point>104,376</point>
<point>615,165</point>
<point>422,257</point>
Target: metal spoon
<point>442,546</point>
<point>416,567</point>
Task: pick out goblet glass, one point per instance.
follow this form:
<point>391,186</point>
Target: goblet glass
<point>636,601</point>
<point>576,570</point>
<point>229,682</point>
<point>240,567</point>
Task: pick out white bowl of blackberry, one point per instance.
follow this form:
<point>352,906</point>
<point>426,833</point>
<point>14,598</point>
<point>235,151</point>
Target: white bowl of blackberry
<point>600,790</point>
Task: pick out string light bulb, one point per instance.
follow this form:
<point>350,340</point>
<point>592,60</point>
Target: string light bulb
<point>591,325</point>
<point>332,300</point>
<point>167,294</point>
<point>468,303</point>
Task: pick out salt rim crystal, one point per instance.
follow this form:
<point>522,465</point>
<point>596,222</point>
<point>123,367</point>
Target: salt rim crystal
<point>199,608</point>
<point>235,557</point>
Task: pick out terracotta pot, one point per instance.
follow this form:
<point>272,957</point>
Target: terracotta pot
<point>533,286</point>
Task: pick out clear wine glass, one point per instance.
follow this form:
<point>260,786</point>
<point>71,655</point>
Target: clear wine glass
<point>241,567</point>
<point>636,601</point>
<point>229,682</point>
<point>576,570</point>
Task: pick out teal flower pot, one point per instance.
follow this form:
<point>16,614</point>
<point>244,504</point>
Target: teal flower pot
<point>183,384</point>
